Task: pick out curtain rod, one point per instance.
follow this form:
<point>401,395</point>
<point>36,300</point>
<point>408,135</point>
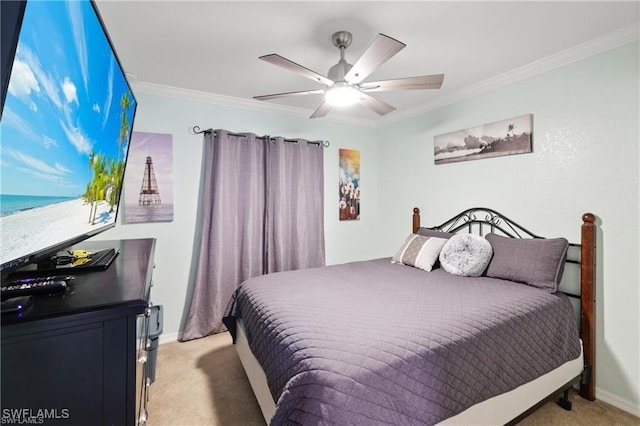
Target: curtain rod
<point>195,130</point>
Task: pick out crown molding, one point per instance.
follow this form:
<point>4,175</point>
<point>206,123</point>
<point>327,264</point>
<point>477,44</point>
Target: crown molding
<point>584,50</point>
<point>249,104</point>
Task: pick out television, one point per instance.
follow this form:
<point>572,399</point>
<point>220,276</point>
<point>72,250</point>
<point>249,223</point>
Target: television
<point>65,125</point>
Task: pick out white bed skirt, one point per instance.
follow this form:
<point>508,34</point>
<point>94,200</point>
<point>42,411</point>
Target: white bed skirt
<point>500,409</point>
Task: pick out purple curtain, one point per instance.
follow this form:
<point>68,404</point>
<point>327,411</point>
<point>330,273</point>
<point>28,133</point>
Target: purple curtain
<point>262,211</point>
<point>295,205</point>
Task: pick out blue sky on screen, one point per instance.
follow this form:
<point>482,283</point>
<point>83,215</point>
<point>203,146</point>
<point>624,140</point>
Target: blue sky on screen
<point>63,102</point>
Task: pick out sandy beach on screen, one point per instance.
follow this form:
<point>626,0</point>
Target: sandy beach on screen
<point>23,232</point>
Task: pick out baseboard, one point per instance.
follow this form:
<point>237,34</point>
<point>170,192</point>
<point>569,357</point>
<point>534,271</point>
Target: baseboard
<point>168,338</point>
<point>617,402</point>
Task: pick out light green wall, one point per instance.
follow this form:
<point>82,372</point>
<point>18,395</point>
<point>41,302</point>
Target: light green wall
<point>585,159</point>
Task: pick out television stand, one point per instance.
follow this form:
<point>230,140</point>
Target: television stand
<point>82,356</point>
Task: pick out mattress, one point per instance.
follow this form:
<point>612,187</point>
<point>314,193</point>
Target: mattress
<point>380,343</point>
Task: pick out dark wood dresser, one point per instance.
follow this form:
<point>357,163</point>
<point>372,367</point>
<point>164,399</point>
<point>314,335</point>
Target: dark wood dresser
<point>80,358</point>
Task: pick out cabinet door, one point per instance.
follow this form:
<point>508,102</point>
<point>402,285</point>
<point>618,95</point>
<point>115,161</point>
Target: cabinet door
<point>57,377</point>
<point>118,361</point>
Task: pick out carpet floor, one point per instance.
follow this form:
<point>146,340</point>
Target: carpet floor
<point>201,382</point>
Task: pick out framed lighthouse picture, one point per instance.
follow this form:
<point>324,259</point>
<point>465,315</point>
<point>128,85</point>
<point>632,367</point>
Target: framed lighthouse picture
<point>148,179</point>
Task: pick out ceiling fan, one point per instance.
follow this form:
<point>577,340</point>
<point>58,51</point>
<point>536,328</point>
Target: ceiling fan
<point>345,85</point>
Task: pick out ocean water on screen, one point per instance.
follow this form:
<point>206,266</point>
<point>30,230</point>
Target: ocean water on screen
<point>15,203</point>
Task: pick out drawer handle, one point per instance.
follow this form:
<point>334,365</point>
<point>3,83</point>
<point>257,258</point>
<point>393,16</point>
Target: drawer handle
<point>142,418</point>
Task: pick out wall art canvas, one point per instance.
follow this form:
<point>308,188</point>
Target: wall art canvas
<point>506,137</point>
<point>349,185</point>
<point>148,179</point>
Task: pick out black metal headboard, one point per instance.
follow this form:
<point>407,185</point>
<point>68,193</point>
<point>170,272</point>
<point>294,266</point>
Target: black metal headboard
<point>481,217</point>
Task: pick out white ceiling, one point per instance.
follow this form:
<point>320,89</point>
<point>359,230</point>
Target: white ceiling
<point>213,46</point>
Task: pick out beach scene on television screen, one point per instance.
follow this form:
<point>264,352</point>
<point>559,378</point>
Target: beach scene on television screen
<point>65,130</point>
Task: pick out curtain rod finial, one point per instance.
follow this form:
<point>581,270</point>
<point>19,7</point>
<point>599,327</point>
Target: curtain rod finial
<point>195,130</point>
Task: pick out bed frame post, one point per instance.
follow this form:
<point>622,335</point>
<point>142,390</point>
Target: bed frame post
<point>588,303</point>
<point>416,219</point>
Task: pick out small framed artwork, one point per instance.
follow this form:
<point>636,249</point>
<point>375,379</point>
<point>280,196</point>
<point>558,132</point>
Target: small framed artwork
<point>148,178</point>
<point>349,185</point>
<point>505,137</point>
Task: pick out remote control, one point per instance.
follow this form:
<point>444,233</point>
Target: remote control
<point>33,287</point>
<point>30,280</point>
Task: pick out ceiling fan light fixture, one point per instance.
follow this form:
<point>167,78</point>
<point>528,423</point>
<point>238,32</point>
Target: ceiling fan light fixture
<point>345,83</point>
<point>342,95</point>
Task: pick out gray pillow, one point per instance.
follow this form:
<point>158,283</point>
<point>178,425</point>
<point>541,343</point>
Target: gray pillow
<point>466,255</point>
<point>538,262</point>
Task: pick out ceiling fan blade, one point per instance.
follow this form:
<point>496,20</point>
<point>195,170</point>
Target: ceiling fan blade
<point>375,105</point>
<point>321,111</point>
<point>379,52</point>
<point>282,95</point>
<point>280,61</point>
<point>409,83</point>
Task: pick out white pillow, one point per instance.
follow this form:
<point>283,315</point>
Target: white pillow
<point>419,251</point>
<point>466,255</point>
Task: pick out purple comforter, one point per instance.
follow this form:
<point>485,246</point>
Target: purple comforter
<point>380,343</point>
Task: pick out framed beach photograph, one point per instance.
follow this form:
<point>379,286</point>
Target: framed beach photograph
<point>505,137</point>
<point>148,180</point>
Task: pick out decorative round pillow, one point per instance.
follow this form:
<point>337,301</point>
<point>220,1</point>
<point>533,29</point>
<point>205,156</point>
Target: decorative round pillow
<point>467,255</point>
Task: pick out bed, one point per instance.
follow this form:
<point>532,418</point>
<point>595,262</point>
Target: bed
<point>417,338</point>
